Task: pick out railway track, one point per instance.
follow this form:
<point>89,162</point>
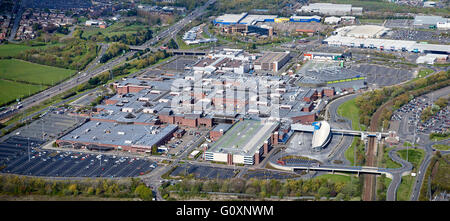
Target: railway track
<point>370,180</point>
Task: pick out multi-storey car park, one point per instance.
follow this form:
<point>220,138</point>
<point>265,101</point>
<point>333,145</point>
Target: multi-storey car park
<point>244,143</point>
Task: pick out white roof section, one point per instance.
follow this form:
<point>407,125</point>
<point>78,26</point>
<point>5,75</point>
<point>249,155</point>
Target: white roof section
<point>320,136</point>
<point>428,20</point>
<point>386,43</point>
<point>253,19</point>
<point>327,7</point>
<point>297,17</point>
<point>362,31</point>
<point>230,18</point>
<point>332,20</point>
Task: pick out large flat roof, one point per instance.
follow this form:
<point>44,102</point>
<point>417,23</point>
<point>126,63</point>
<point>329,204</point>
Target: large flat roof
<point>119,134</point>
<point>366,31</point>
<point>253,19</point>
<point>245,137</point>
<point>428,20</point>
<point>386,43</point>
<point>230,18</point>
<point>271,57</point>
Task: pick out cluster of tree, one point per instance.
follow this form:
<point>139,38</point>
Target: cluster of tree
<point>435,135</point>
<point>381,188</point>
<point>114,50</point>
<point>442,102</point>
<point>123,70</point>
<point>130,39</point>
<point>94,82</point>
<point>265,188</point>
<point>172,44</point>
<point>6,6</point>
<point>188,4</point>
<point>145,61</point>
<point>74,54</point>
<point>389,9</point>
<point>428,112</point>
<point>370,101</point>
<point>437,171</point>
<point>360,157</point>
<point>21,186</point>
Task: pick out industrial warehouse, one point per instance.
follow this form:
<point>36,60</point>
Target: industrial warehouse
<point>331,9</point>
<point>367,37</point>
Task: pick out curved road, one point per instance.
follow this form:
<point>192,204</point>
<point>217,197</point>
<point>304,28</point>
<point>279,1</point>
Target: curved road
<point>391,194</point>
<point>337,121</point>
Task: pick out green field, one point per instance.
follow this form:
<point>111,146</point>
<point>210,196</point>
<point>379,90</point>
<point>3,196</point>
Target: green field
<point>441,146</point>
<point>387,161</point>
<point>14,49</point>
<point>424,72</point>
<point>415,156</point>
<point>436,138</point>
<point>350,111</point>
<point>118,28</point>
<point>376,21</point>
<point>404,190</point>
<point>12,90</point>
<point>336,177</point>
<point>26,72</point>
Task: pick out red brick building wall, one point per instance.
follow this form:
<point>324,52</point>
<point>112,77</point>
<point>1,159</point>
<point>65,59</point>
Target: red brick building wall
<point>328,92</point>
<point>167,119</point>
<point>111,102</point>
<point>305,119</point>
<point>189,122</point>
<point>178,120</point>
<point>215,135</point>
<point>205,121</point>
<point>308,108</point>
<point>257,159</point>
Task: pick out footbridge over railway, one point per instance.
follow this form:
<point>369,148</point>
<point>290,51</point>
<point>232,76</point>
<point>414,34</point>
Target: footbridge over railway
<point>174,51</point>
<point>363,134</point>
<point>331,168</point>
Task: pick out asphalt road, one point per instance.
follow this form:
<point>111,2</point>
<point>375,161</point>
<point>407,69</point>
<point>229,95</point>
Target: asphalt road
<point>89,73</point>
<point>423,167</point>
<point>391,194</point>
<point>17,18</point>
<point>174,29</point>
<point>337,121</point>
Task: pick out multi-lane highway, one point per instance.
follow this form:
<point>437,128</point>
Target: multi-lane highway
<point>174,29</point>
<point>93,71</point>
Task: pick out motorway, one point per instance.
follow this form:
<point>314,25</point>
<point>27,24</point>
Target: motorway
<point>92,71</point>
<point>174,29</point>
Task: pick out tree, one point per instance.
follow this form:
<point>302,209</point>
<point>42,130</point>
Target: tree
<point>172,44</point>
<point>73,189</point>
<point>143,192</point>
